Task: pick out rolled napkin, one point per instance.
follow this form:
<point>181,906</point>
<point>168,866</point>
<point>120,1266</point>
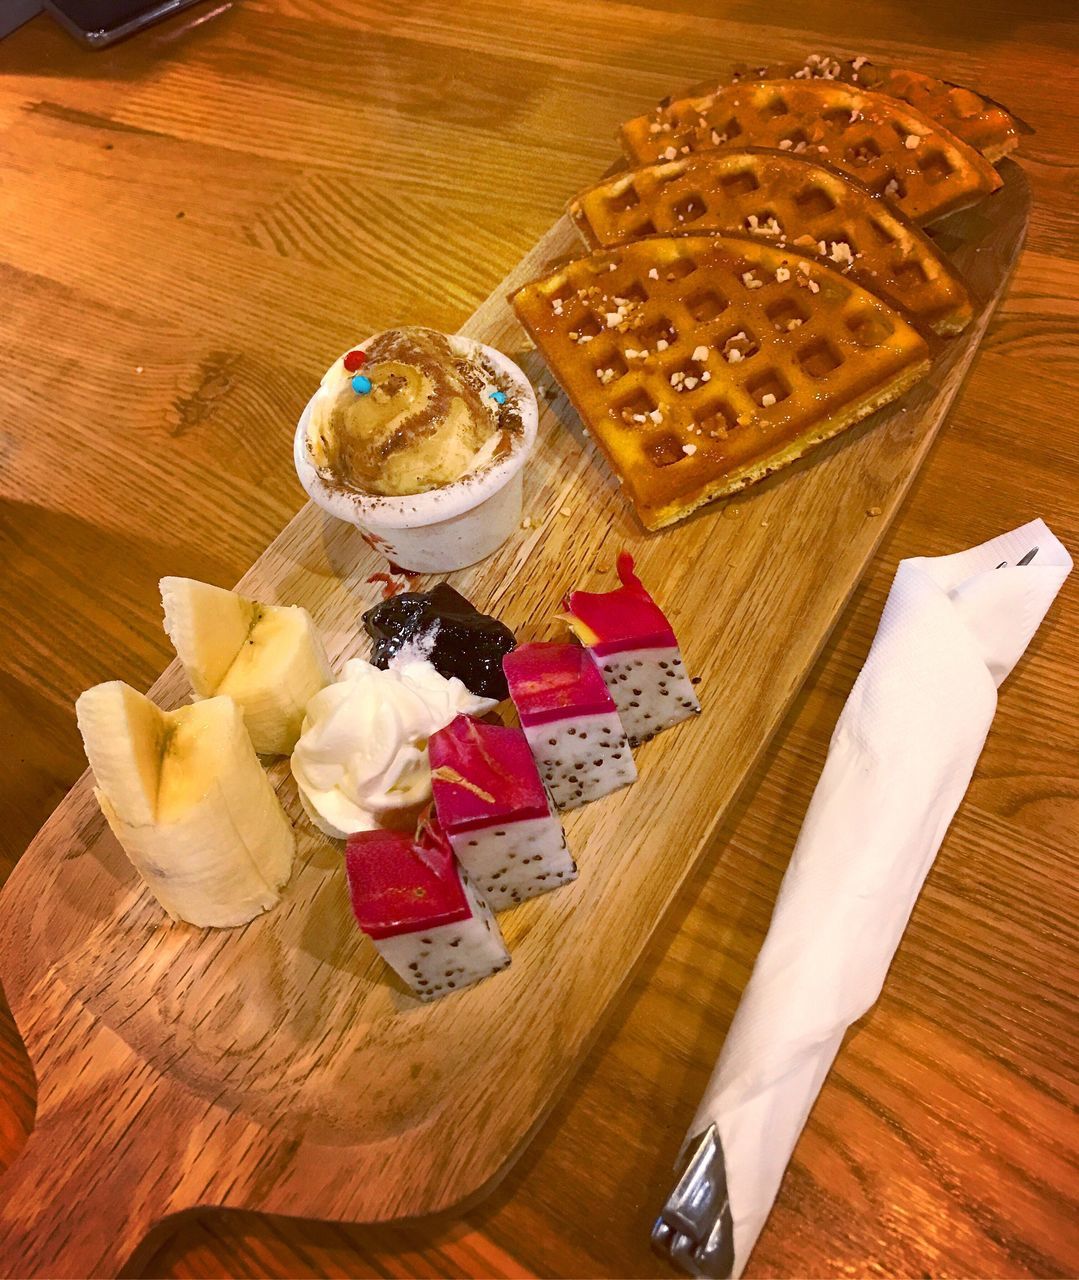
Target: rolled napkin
<point>898,765</point>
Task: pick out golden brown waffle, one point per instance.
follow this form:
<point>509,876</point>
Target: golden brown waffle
<point>787,200</point>
<point>896,151</point>
<point>977,120</point>
<point>700,364</point>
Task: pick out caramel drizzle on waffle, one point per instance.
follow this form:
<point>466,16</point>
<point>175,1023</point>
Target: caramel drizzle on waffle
<point>700,363</point>
<point>786,200</point>
<point>897,152</point>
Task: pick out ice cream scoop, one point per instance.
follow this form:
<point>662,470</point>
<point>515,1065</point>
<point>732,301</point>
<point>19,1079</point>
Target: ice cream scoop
<point>450,523</point>
<point>361,760</point>
<point>407,414</point>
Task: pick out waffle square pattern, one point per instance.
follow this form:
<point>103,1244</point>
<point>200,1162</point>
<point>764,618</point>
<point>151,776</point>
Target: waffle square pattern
<point>900,154</point>
<point>702,363</point>
<point>788,200</point>
<point>985,124</point>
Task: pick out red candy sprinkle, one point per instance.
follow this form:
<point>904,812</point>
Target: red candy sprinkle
<point>354,360</point>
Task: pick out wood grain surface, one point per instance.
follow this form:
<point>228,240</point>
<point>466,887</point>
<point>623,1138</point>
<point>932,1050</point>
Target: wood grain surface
<point>317,1085</point>
<point>338,168</point>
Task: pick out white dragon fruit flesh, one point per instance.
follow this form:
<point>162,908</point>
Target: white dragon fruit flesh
<point>570,721</point>
<point>493,806</point>
<point>417,906</point>
<point>635,650</point>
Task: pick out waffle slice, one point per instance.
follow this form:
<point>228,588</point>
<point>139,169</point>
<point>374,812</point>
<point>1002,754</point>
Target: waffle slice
<point>984,124</point>
<point>896,151</point>
<point>700,364</point>
<point>789,200</point>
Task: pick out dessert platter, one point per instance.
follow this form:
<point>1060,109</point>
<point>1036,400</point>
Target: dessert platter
<point>341,903</point>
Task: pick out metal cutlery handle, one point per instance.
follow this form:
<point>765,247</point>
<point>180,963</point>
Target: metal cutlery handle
<point>694,1228</point>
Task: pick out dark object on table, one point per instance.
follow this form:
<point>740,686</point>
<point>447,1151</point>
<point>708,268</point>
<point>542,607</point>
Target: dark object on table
<point>441,626</point>
<point>16,12</point>
<point>102,22</point>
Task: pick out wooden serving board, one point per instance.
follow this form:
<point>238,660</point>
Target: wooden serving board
<point>280,1066</point>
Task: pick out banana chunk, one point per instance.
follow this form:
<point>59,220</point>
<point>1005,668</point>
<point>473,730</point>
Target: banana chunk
<point>268,658</point>
<point>186,797</point>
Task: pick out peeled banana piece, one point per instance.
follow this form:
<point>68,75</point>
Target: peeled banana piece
<point>187,798</point>
<point>268,658</point>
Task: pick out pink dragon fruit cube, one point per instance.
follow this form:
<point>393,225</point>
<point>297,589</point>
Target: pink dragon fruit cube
<point>493,806</point>
<point>635,650</point>
<point>419,908</point>
<point>570,722</point>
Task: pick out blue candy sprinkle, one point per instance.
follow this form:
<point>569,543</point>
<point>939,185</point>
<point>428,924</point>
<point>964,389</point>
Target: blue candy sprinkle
<point>499,397</point>
<point>361,385</point>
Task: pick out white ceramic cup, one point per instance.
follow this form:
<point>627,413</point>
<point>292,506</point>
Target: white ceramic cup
<point>447,528</point>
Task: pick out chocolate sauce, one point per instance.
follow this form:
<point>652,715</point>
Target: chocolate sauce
<point>463,642</point>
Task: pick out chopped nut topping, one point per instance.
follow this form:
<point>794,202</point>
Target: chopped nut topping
<point>859,62</point>
<point>841,252</point>
<point>768,400</point>
<point>671,153</point>
<point>814,287</point>
<point>653,274</point>
<point>804,267</point>
<point>783,274</point>
<point>705,376</point>
<point>690,383</point>
<point>785,144</point>
<point>793,324</point>
<point>662,344</point>
<point>699,353</point>
<point>689,448</point>
<point>769,228</point>
<point>892,189</point>
<point>911,141</point>
<point>656,415</point>
<point>737,347</point>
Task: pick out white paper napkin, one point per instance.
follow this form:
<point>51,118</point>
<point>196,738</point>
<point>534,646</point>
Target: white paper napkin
<point>899,762</point>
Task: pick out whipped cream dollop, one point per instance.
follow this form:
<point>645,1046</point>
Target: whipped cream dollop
<point>362,752</point>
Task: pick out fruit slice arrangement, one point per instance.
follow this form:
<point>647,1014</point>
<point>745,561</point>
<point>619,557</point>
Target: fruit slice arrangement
<point>268,658</point>
<point>632,644</point>
<point>186,797</point>
<point>416,903</point>
<point>496,812</point>
<point>570,721</point>
<point>786,200</point>
<point>701,364</point>
<point>900,154</point>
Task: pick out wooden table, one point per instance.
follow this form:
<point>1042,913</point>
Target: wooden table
<point>193,223</point>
